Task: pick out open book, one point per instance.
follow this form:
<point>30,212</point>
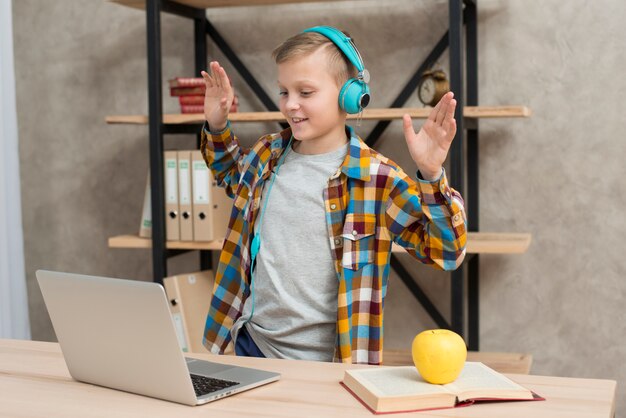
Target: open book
<point>395,389</point>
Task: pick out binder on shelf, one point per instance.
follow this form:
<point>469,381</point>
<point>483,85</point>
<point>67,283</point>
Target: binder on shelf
<point>189,297</point>
<point>172,224</point>
<point>145,228</point>
<point>222,207</point>
<point>184,196</point>
<point>211,205</point>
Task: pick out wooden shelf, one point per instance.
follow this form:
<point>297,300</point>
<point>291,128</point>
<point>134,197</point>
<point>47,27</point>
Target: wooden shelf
<point>497,242</point>
<point>477,243</point>
<point>473,112</point>
<point>134,241</point>
<point>205,4</point>
<point>491,243</point>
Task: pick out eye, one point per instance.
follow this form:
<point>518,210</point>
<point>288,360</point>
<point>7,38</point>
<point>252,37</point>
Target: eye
<point>306,93</point>
<point>282,93</point>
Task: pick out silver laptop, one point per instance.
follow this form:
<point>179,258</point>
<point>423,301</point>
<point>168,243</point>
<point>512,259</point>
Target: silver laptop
<point>120,334</point>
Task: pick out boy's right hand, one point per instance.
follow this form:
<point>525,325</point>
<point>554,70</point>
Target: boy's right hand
<point>218,98</point>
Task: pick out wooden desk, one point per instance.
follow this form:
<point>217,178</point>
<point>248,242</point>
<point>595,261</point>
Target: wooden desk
<point>34,382</point>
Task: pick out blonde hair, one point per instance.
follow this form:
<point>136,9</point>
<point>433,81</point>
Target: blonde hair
<point>306,43</point>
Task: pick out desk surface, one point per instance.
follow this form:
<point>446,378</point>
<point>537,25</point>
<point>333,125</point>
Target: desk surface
<point>35,382</point>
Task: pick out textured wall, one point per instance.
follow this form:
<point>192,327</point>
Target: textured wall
<point>557,175</point>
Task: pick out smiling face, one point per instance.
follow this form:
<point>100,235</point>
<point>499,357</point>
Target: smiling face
<point>309,99</point>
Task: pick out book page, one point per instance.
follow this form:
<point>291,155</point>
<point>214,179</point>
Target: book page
<point>478,380</point>
<point>396,381</point>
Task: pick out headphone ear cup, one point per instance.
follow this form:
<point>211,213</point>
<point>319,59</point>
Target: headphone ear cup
<point>354,96</point>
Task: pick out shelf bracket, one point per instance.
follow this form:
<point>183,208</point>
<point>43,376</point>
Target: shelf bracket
<point>419,294</point>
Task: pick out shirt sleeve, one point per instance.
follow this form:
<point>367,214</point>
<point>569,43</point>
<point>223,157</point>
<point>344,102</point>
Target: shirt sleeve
<point>224,156</point>
<point>428,219</point>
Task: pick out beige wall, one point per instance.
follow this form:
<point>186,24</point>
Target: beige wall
<point>558,175</point>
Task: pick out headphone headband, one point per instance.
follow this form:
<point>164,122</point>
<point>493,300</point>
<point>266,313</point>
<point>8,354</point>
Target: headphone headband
<point>343,42</point>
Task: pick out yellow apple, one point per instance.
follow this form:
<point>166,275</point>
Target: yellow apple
<point>439,355</point>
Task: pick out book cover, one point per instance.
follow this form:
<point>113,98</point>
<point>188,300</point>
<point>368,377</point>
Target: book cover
<point>187,91</point>
<point>199,108</point>
<point>186,82</point>
<point>191,100</point>
<point>402,389</point>
<point>191,109</point>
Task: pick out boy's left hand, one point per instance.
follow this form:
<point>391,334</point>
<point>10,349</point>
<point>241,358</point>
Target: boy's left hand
<point>429,147</point>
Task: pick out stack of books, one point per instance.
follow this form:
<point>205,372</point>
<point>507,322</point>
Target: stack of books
<point>190,92</point>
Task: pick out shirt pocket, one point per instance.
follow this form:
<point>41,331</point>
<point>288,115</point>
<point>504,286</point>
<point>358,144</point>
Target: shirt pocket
<point>359,234</point>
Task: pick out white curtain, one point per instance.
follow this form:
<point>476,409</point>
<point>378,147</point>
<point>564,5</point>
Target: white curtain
<point>13,298</point>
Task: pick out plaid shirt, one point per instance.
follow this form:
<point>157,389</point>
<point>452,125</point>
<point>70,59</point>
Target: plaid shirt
<point>370,203</point>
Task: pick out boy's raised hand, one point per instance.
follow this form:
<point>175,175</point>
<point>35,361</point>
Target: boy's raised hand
<point>218,98</point>
<point>429,147</point>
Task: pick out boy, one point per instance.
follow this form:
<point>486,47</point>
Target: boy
<point>313,287</point>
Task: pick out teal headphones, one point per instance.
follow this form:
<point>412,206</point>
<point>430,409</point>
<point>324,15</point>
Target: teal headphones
<point>355,93</point>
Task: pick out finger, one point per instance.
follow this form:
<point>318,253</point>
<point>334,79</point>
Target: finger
<point>444,102</point>
<point>441,113</point>
<point>449,125</point>
<point>433,113</point>
<point>212,74</point>
<point>407,126</point>
<point>224,81</point>
<point>207,79</point>
<point>215,71</point>
<point>450,111</point>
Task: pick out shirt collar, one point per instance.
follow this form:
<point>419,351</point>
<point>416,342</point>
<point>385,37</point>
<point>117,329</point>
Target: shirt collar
<point>357,161</point>
<point>355,165</point>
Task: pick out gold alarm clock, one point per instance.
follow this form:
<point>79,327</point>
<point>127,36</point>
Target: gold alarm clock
<point>432,86</point>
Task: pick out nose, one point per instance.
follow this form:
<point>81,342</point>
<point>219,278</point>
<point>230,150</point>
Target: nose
<point>292,103</point>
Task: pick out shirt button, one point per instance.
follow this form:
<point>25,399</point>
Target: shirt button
<point>456,217</point>
<point>337,241</point>
<point>249,194</point>
<point>355,232</point>
<point>333,206</point>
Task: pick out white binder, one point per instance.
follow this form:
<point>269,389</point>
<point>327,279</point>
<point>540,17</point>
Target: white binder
<point>145,228</point>
<point>211,205</point>
<point>172,224</point>
<point>184,196</point>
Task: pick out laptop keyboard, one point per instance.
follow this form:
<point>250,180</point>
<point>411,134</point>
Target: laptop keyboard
<point>203,385</point>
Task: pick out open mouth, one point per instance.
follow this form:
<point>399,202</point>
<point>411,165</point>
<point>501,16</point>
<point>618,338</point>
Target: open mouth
<point>299,120</point>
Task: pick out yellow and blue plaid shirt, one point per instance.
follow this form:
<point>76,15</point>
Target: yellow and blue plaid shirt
<point>370,203</point>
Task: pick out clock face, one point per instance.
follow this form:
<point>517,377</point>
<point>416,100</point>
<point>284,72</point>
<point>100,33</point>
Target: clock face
<point>427,91</point>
